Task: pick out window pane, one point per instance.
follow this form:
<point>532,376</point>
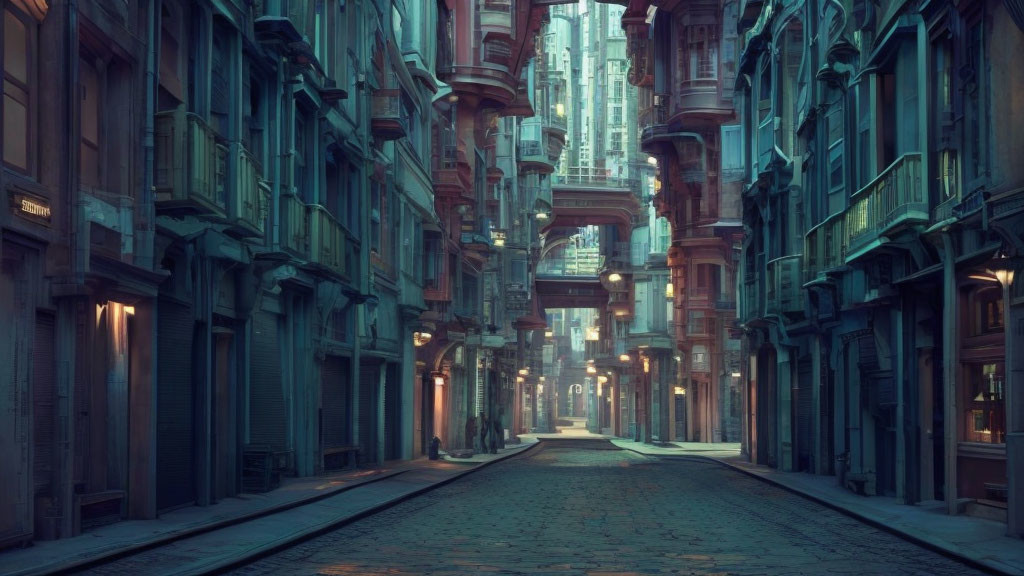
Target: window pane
<point>15,48</point>
<point>89,79</point>
<point>15,131</point>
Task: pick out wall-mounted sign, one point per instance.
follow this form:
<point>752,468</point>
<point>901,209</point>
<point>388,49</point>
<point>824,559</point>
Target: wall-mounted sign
<point>31,207</point>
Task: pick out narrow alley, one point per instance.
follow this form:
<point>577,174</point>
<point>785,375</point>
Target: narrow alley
<point>471,286</point>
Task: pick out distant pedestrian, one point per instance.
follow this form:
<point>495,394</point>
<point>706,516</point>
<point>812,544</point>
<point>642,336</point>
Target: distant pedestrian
<point>471,433</point>
<point>484,426</point>
<point>496,434</point>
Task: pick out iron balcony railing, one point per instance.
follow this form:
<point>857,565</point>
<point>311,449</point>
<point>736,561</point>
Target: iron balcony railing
<point>249,195</point>
<point>594,176</point>
<point>186,171</point>
<point>784,289</point>
<point>327,241</point>
<point>824,248</point>
<point>894,197</point>
<point>294,226</point>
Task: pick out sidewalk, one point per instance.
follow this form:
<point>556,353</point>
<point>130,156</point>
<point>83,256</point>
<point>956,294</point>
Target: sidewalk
<point>251,523</point>
<point>978,541</point>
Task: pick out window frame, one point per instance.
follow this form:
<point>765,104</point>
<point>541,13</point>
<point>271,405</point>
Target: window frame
<point>31,90</point>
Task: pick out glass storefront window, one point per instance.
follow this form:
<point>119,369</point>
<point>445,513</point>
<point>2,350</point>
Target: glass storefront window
<point>984,416</point>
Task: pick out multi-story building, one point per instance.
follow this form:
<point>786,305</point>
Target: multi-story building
<point>491,193</point>
<point>881,207</point>
<point>683,59</point>
<point>212,254</point>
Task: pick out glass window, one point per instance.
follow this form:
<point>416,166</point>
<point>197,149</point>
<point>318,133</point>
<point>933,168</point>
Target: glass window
<point>984,416</point>
<point>89,155</point>
<point>18,86</point>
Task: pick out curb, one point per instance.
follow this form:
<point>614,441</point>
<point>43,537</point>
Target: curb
<point>287,542</point>
<point>934,547</point>
<point>171,537</point>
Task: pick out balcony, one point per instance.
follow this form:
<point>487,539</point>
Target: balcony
<point>185,177</point>
<point>327,245</point>
<point>557,123</point>
<point>594,176</point>
<point>823,248</point>
<point>750,295</point>
<point>785,291</point>
<point>893,200</point>
<point>654,119</point>
<point>450,172</point>
<point>698,325</point>
<point>247,210</point>
<point>388,120</point>
<point>533,157</point>
<point>294,226</point>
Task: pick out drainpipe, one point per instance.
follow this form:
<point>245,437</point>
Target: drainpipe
<point>949,344</point>
<point>144,250</point>
<point>78,225</point>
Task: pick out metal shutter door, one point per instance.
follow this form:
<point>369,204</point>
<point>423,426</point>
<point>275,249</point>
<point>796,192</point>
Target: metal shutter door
<point>175,436</point>
<point>392,396</point>
<point>335,402</point>
<point>369,380</point>
<point>268,414</point>
<point>804,406</point>
<point>44,397</point>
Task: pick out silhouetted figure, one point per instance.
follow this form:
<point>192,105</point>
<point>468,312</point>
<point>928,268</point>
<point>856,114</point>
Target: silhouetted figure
<point>496,434</point>
<point>484,426</point>
<point>471,433</point>
<point>500,427</point>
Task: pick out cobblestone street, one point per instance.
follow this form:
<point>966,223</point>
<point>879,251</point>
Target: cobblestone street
<point>564,510</point>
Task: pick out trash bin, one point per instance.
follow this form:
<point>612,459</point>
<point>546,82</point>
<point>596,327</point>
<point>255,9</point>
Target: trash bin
<point>434,448</point>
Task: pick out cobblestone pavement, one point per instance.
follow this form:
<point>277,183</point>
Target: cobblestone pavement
<point>562,510</point>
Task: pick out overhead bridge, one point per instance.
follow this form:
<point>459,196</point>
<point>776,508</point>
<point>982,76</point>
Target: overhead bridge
<point>571,291</point>
<point>591,200</point>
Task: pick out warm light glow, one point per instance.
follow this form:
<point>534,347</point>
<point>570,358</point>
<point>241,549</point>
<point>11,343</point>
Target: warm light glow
<point>542,379</point>
<point>670,291</point>
<point>524,371</point>
<point>647,365</point>
<point>983,278</point>
<point>129,310</point>
<point>499,242</point>
<point>599,389</point>
<point>542,215</point>
<point>735,374</point>
<point>680,391</point>
<point>652,160</point>
<point>614,277</point>
<point>593,333</point>
<point>549,334</point>
<point>438,380</point>
<point>421,338</point>
<point>520,379</point>
<point>1005,277</point>
<point>560,109</point>
<point>602,379</point>
<point>591,370</point>
<point>623,357</point>
<point>540,388</point>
